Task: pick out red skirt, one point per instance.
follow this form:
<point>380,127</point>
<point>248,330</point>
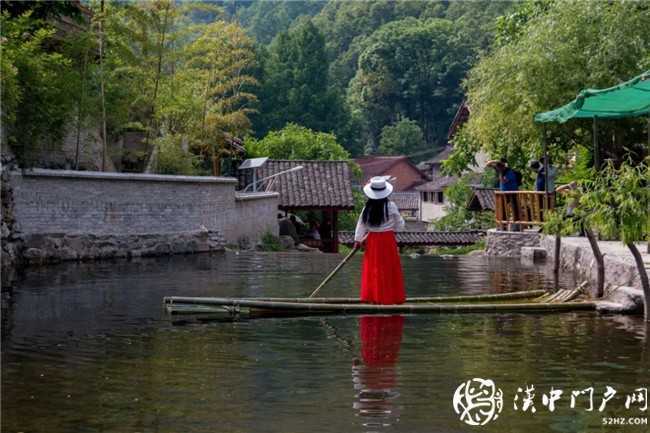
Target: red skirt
<point>381,273</point>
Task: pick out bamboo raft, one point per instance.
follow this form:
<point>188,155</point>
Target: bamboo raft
<point>528,301</point>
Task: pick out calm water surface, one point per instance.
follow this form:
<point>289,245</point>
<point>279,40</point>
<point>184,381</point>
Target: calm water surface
<point>88,348</point>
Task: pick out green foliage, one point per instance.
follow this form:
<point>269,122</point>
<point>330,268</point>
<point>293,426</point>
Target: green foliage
<point>173,159</point>
<point>458,217</point>
<point>557,223</point>
<point>295,84</point>
<point>402,138</point>
<point>297,142</point>
<point>35,83</point>
<point>400,74</point>
<point>557,51</point>
<point>172,76</point>
<point>580,162</point>
<point>348,220</point>
<point>265,19</point>
<point>617,201</point>
<point>270,242</point>
<point>511,26</point>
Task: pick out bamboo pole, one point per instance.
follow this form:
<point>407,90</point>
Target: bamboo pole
<point>594,132</point>
<point>336,269</point>
<point>320,308</point>
<point>342,300</point>
<point>545,172</point>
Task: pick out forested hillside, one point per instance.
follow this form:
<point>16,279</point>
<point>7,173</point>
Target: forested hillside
<point>380,76</point>
<point>356,68</point>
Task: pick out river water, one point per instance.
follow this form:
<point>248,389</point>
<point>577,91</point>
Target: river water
<point>88,348</point>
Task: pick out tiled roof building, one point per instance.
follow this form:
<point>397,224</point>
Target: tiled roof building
<point>482,199</point>
<point>324,187</point>
<point>426,238</point>
<point>406,200</point>
<point>319,185</point>
<point>406,174</point>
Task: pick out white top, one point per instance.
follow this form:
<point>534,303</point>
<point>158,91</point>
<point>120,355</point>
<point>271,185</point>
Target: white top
<point>394,222</point>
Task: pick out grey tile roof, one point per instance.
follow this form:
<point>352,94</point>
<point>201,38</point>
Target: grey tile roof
<point>406,200</point>
<point>482,199</point>
<point>426,238</point>
<point>320,184</point>
<point>437,184</point>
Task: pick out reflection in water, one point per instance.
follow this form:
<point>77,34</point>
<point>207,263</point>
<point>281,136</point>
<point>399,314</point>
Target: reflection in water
<point>375,379</point>
<point>87,347</point>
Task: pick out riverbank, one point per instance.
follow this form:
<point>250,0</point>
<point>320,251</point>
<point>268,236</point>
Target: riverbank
<point>61,215</point>
<point>575,256</point>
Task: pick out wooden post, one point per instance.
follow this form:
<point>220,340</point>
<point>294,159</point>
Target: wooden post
<point>594,133</point>
<point>335,231</point>
<point>545,172</point>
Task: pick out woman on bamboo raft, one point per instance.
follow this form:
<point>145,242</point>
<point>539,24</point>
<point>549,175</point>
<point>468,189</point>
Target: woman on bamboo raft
<point>381,277</point>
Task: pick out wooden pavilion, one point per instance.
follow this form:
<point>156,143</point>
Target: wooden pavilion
<point>319,186</point>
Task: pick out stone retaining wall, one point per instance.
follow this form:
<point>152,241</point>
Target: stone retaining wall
<point>508,244</point>
<point>73,215</point>
<point>576,256</point>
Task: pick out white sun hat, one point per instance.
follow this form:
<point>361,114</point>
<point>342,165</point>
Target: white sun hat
<point>378,188</point>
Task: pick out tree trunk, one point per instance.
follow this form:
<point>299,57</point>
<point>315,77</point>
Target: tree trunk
<point>643,274</point>
<point>153,127</point>
<point>600,262</point>
<point>101,73</point>
<point>556,261</point>
<point>80,111</point>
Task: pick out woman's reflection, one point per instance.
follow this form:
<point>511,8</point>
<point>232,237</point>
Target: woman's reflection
<point>375,377</point>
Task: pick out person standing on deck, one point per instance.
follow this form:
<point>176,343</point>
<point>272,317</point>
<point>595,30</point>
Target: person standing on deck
<point>381,277</point>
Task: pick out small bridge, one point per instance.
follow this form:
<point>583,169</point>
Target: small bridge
<point>413,239</point>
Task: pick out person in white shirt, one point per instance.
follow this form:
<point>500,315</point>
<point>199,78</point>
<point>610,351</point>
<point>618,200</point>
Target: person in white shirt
<point>381,278</point>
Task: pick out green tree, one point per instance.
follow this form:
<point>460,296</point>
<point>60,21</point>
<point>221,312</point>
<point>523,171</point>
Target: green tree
<point>266,19</point>
<point>413,69</point>
<point>297,142</point>
<point>295,84</point>
<point>219,61</point>
<point>548,59</point>
<point>35,83</point>
<point>458,217</point>
<point>402,138</point>
<point>618,205</point>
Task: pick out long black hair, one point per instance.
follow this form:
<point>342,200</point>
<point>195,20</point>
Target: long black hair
<point>375,212</point>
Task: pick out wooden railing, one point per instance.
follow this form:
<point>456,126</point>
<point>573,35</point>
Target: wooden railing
<point>525,208</point>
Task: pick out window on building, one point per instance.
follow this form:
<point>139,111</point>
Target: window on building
<point>440,198</point>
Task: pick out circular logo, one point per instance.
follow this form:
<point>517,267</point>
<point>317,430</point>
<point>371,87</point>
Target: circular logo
<point>478,401</point>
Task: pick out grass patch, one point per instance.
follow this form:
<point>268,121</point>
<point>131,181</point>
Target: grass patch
<point>270,242</point>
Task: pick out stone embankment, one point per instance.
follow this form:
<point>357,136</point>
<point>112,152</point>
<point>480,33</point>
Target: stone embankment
<point>509,244</point>
<point>622,281</point>
<point>576,256</point>
<point>55,215</point>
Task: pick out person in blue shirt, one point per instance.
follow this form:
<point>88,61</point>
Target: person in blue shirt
<point>507,177</point>
<point>508,181</point>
